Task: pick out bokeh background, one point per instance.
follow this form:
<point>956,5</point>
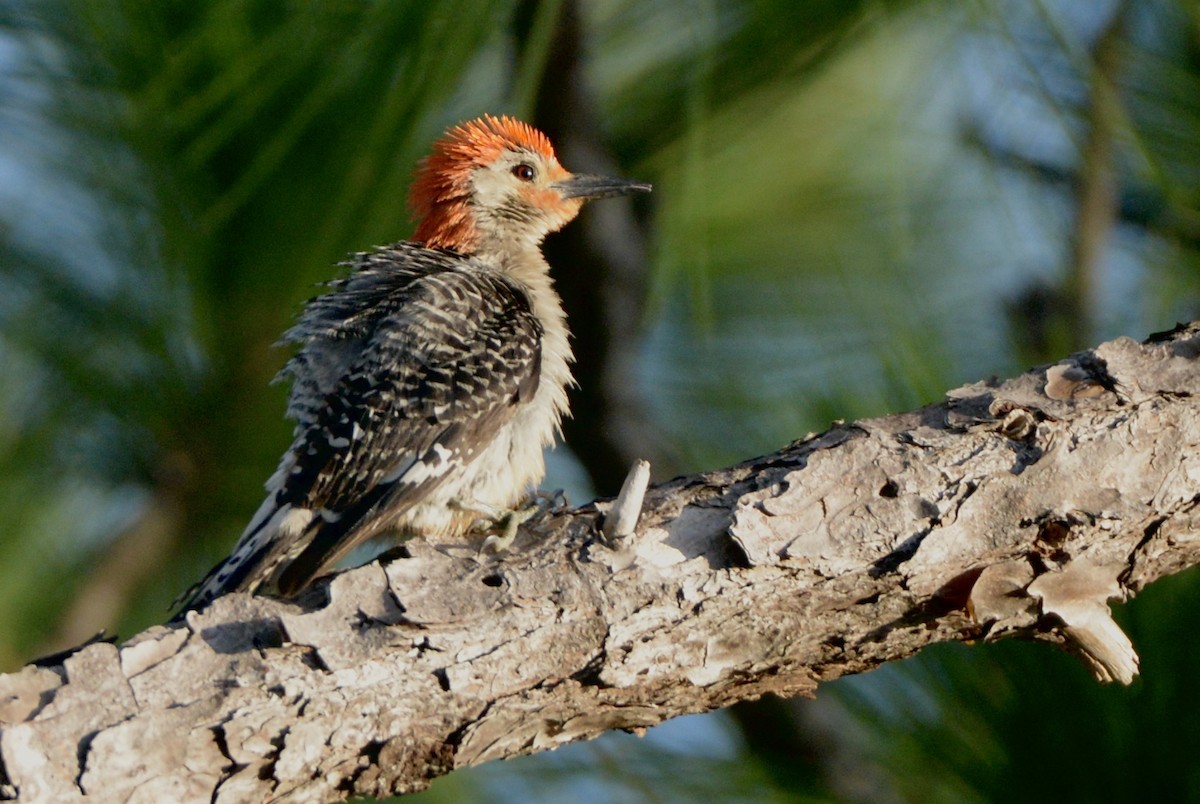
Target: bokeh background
<point>859,204</point>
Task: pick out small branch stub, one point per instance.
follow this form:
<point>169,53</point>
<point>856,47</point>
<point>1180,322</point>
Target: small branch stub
<point>621,519</point>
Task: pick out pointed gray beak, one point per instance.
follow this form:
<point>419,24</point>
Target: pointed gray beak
<point>584,186</point>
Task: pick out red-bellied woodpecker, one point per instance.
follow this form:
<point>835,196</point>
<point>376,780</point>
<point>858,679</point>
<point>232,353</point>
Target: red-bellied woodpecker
<point>430,379</point>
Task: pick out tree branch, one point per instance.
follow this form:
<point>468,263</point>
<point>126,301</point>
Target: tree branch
<point>1010,509</point>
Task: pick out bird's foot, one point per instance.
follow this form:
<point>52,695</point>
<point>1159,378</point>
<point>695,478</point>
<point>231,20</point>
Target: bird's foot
<point>504,528</point>
<point>502,524</point>
<point>550,501</point>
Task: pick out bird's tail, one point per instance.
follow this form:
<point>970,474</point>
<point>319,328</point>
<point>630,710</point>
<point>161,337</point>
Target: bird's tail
<point>276,533</point>
<point>285,546</point>
<point>331,538</point>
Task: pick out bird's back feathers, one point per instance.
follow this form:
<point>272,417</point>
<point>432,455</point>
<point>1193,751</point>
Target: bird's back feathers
<point>404,368</point>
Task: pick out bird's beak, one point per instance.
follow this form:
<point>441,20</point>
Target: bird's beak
<point>584,186</point>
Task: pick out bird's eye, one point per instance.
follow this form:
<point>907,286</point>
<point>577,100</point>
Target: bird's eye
<point>524,172</point>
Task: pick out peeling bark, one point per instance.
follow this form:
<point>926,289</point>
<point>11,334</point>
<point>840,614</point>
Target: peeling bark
<point>1010,509</point>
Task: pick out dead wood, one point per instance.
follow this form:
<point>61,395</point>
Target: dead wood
<point>1017,508</point>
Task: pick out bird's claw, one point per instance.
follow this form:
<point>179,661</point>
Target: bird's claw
<point>550,501</point>
<point>507,524</point>
<point>503,524</point>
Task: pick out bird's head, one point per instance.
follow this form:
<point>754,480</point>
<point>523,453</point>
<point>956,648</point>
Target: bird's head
<point>496,179</point>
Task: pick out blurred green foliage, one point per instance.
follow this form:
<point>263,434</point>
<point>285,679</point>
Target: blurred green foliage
<point>858,206</point>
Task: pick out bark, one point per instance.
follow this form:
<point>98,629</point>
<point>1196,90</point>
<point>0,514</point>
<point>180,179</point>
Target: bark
<point>1010,509</point>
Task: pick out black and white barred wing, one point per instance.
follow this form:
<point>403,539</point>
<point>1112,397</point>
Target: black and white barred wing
<point>404,377</point>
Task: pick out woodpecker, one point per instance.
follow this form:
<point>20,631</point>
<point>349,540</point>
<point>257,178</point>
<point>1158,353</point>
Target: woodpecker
<point>430,378</point>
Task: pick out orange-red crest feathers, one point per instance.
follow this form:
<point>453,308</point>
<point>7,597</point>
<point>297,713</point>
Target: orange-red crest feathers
<point>440,191</point>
